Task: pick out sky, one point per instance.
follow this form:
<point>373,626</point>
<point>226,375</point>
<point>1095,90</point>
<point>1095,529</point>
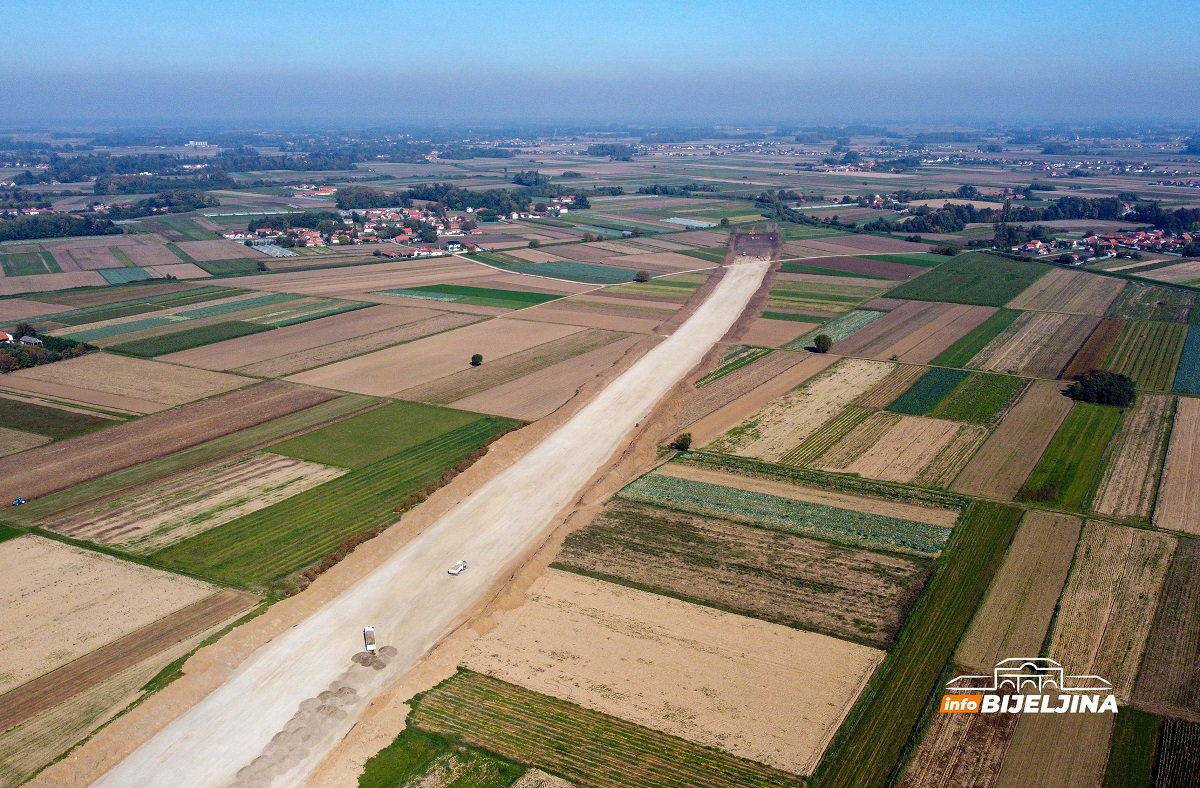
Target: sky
<point>124,63</point>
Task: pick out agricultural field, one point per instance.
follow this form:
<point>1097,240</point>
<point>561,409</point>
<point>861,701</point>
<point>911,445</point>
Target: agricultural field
<point>972,278</point>
<point>1037,755</point>
<point>1178,506</point>
<point>837,329</point>
<point>1108,606</point>
<point>1126,490</point>
<point>822,298</point>
<point>961,749</point>
<point>1148,353</point>
<point>895,384</point>
<point>1072,463</point>
<point>581,745</point>
<point>868,746</point>
<point>1016,613</point>
<point>914,332</point>
<point>776,332</point>
<point>1061,290</point>
<point>982,399</point>
<point>737,357</point>
<point>1170,673</point>
<point>929,390</point>
<point>893,448</point>
<point>785,423</point>
<point>50,422</point>
<point>28,264</point>
<point>1036,345</point>
<point>898,268</point>
<point>634,655</point>
<point>475,296</point>
<point>187,339</point>
<point>1152,302</point>
<point>94,305</point>
<point>975,340</point>
<point>1187,379</point>
<point>1178,759</point>
<point>417,757</point>
<point>588,273</point>
<point>1134,745</point>
<point>1095,351</point>
<point>774,576</point>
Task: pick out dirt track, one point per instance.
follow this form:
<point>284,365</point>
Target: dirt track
<point>286,705</point>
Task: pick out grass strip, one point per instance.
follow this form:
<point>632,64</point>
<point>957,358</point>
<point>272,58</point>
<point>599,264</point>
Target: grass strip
<point>962,351</point>
<point>929,390</point>
<point>1134,745</point>
<point>738,357</point>
<point>919,259</point>
<point>119,253</point>
<point>51,422</point>
<point>868,746</point>
<point>236,267</point>
<point>412,758</point>
<point>188,338</point>
<point>182,255</point>
<point>8,532</point>
<point>712,255</point>
<point>1072,463</point>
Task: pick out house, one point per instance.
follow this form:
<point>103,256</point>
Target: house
<point>27,340</point>
<point>454,246</point>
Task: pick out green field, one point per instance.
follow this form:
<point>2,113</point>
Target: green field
<point>28,263</point>
<point>182,255</point>
<point>837,329</point>
<point>869,745</point>
<point>8,532</point>
<point>141,305</point>
<point>187,339</point>
<point>738,356</point>
<point>583,746</point>
<point>575,272</point>
<point>1153,302</point>
<point>677,286</point>
<point>188,229</point>
<point>374,435</point>
<point>921,259</point>
<point>1148,353</point>
<point>801,268</point>
<point>118,253</point>
<point>235,267</point>
<point>929,390</point>
<point>230,307</point>
<point>415,757</point>
<point>798,232</point>
<point>476,296</point>
<point>271,543</point>
<point>1073,461</point>
<point>962,351</point>
<point>51,422</point>
<point>121,276</point>
<point>794,316</point>
<point>982,399</point>
<point>714,254</point>
<point>823,439</point>
<point>972,278</point>
<point>1134,744</point>
<point>819,296</point>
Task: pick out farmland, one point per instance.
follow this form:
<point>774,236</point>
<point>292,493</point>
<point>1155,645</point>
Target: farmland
<point>1170,671</point>
<point>914,332</point>
<point>930,389</point>
<point>1037,344</point>
<point>1061,290</point>
<point>1134,744</point>
<point>975,340</point>
<point>1179,496</point>
<point>821,298</point>
<point>635,655</point>
<point>772,575</point>
<point>1152,302</point>
<point>867,747</point>
<point>737,357</point>
<point>893,448</point>
<point>961,749</point>
<point>1036,755</point>
<point>982,399</point>
<point>895,384</point>
<point>1187,379</point>
<point>972,278</point>
<point>1106,610</point>
<point>826,437</point>
<point>476,296</point>
<point>188,338</point>
<point>1148,353</point>
<point>1126,490</point>
<point>837,329</point>
<point>1178,754</point>
<point>48,421</point>
<point>1093,352</point>
<point>1071,464</point>
<point>417,756</point>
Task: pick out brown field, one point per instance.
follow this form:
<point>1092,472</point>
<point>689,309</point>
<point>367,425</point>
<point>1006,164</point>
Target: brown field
<point>327,353</point>
<point>576,313</point>
<point>774,333</point>
<point>857,442</point>
<point>540,393</point>
<point>65,463</point>
<point>476,380</point>
<point>1127,489</point>
<point>16,285</point>
<point>641,657</point>
<point>866,244</point>
<point>13,309</point>
<point>106,295</point>
<point>1037,344</point>
<point>1061,290</point>
<point>949,462</point>
<point>782,425</point>
<point>588,253</point>
<point>1106,610</point>
<point>1093,353</point>
<point>862,265</point>
<point>155,517</point>
<point>915,332</point>
<point>131,384</point>
<point>217,249</point>
<point>534,255</point>
<point>1179,495</point>
<point>1020,603</point>
<point>178,270</point>
<point>359,281</point>
<point>1004,462</point>
<point>860,503</point>
<point>898,381</point>
<point>783,578</point>
<point>61,602</point>
<point>13,441</point>
<point>897,448</point>
<point>961,750</point>
<point>1056,750</point>
<point>1170,674</point>
<point>158,254</point>
<point>701,238</point>
<point>834,281</point>
<point>1184,272</point>
<point>884,304</point>
<point>405,366</point>
<point>93,258</point>
<point>256,348</point>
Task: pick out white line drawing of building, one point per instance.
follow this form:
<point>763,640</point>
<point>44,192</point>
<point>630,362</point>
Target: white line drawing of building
<point>1020,673</point>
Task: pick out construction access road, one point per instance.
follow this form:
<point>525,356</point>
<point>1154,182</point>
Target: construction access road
<point>286,706</point>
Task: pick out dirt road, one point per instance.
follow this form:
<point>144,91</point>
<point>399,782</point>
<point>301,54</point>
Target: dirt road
<point>286,705</point>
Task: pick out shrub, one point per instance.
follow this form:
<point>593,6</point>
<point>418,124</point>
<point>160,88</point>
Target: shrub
<point>822,343</point>
<point>476,359</point>
<point>1103,388</point>
<point>682,442</point>
<point>534,244</point>
<point>641,276</point>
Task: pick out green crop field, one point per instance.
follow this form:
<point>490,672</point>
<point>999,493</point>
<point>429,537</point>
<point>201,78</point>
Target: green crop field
<point>1187,379</point>
<point>929,390</point>
<point>820,296</point>
<point>237,306</point>
<point>188,229</point>
<point>962,351</point>
<point>1148,353</point>
<point>142,305</point>
<point>8,532</point>
<point>920,259</point>
<point>119,253</point>
<point>972,278</point>
<point>51,422</point>
<point>870,743</point>
<point>28,263</point>
<point>794,316</point>
<point>374,435</point>
<point>182,255</point>
<point>587,273</point>
<point>786,514</point>
<point>1153,302</point>
<point>1072,463</point>
<point>236,267</point>
<point>738,356</point>
<point>1134,744</point>
<point>823,439</point>
<point>677,286</point>
<point>837,329</point>
<point>799,232</point>
<point>715,254</point>
<point>476,296</point>
<point>271,543</point>
<point>121,276</point>
<point>982,399</point>
<point>187,339</point>
<point>417,757</point>
<point>583,746</point>
<point>801,268</point>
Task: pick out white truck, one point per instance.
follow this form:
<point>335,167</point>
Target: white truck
<point>458,568</point>
<point>369,639</point>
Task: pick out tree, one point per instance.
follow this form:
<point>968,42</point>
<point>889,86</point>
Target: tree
<point>641,276</point>
<point>822,343</point>
<point>24,330</point>
<point>429,235</point>
<point>682,442</point>
<point>1103,388</point>
<point>534,244</point>
<point>725,221</point>
<point>476,359</point>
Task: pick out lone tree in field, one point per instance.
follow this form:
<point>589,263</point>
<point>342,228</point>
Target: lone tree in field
<point>682,442</point>
<point>534,244</point>
<point>641,276</point>
<point>724,222</point>
<point>1103,388</point>
<point>822,343</point>
<point>476,359</point>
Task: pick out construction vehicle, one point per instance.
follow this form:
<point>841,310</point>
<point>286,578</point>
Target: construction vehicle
<point>458,568</point>
<point>369,639</point>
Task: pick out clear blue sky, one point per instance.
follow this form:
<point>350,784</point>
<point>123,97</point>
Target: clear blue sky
<point>461,61</point>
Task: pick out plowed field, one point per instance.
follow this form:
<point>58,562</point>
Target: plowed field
<point>1061,290</point>
<point>1170,674</point>
<point>1038,345</point>
<point>961,750</point>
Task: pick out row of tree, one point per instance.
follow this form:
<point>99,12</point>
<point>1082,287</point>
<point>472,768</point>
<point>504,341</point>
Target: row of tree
<point>54,225</point>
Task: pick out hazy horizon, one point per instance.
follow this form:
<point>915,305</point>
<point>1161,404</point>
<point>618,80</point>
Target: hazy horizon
<point>699,62</point>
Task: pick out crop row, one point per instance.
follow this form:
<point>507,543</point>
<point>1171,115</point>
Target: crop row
<point>838,328</point>
<point>1148,353</point>
<point>585,747</point>
<point>1071,465</point>
<point>142,305</point>
<point>924,395</point>
<point>983,399</point>
<point>737,357</point>
<point>973,278</point>
<point>965,349</point>
<point>1187,379</point>
<point>823,439</point>
<point>150,347</point>
<point>786,514</point>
